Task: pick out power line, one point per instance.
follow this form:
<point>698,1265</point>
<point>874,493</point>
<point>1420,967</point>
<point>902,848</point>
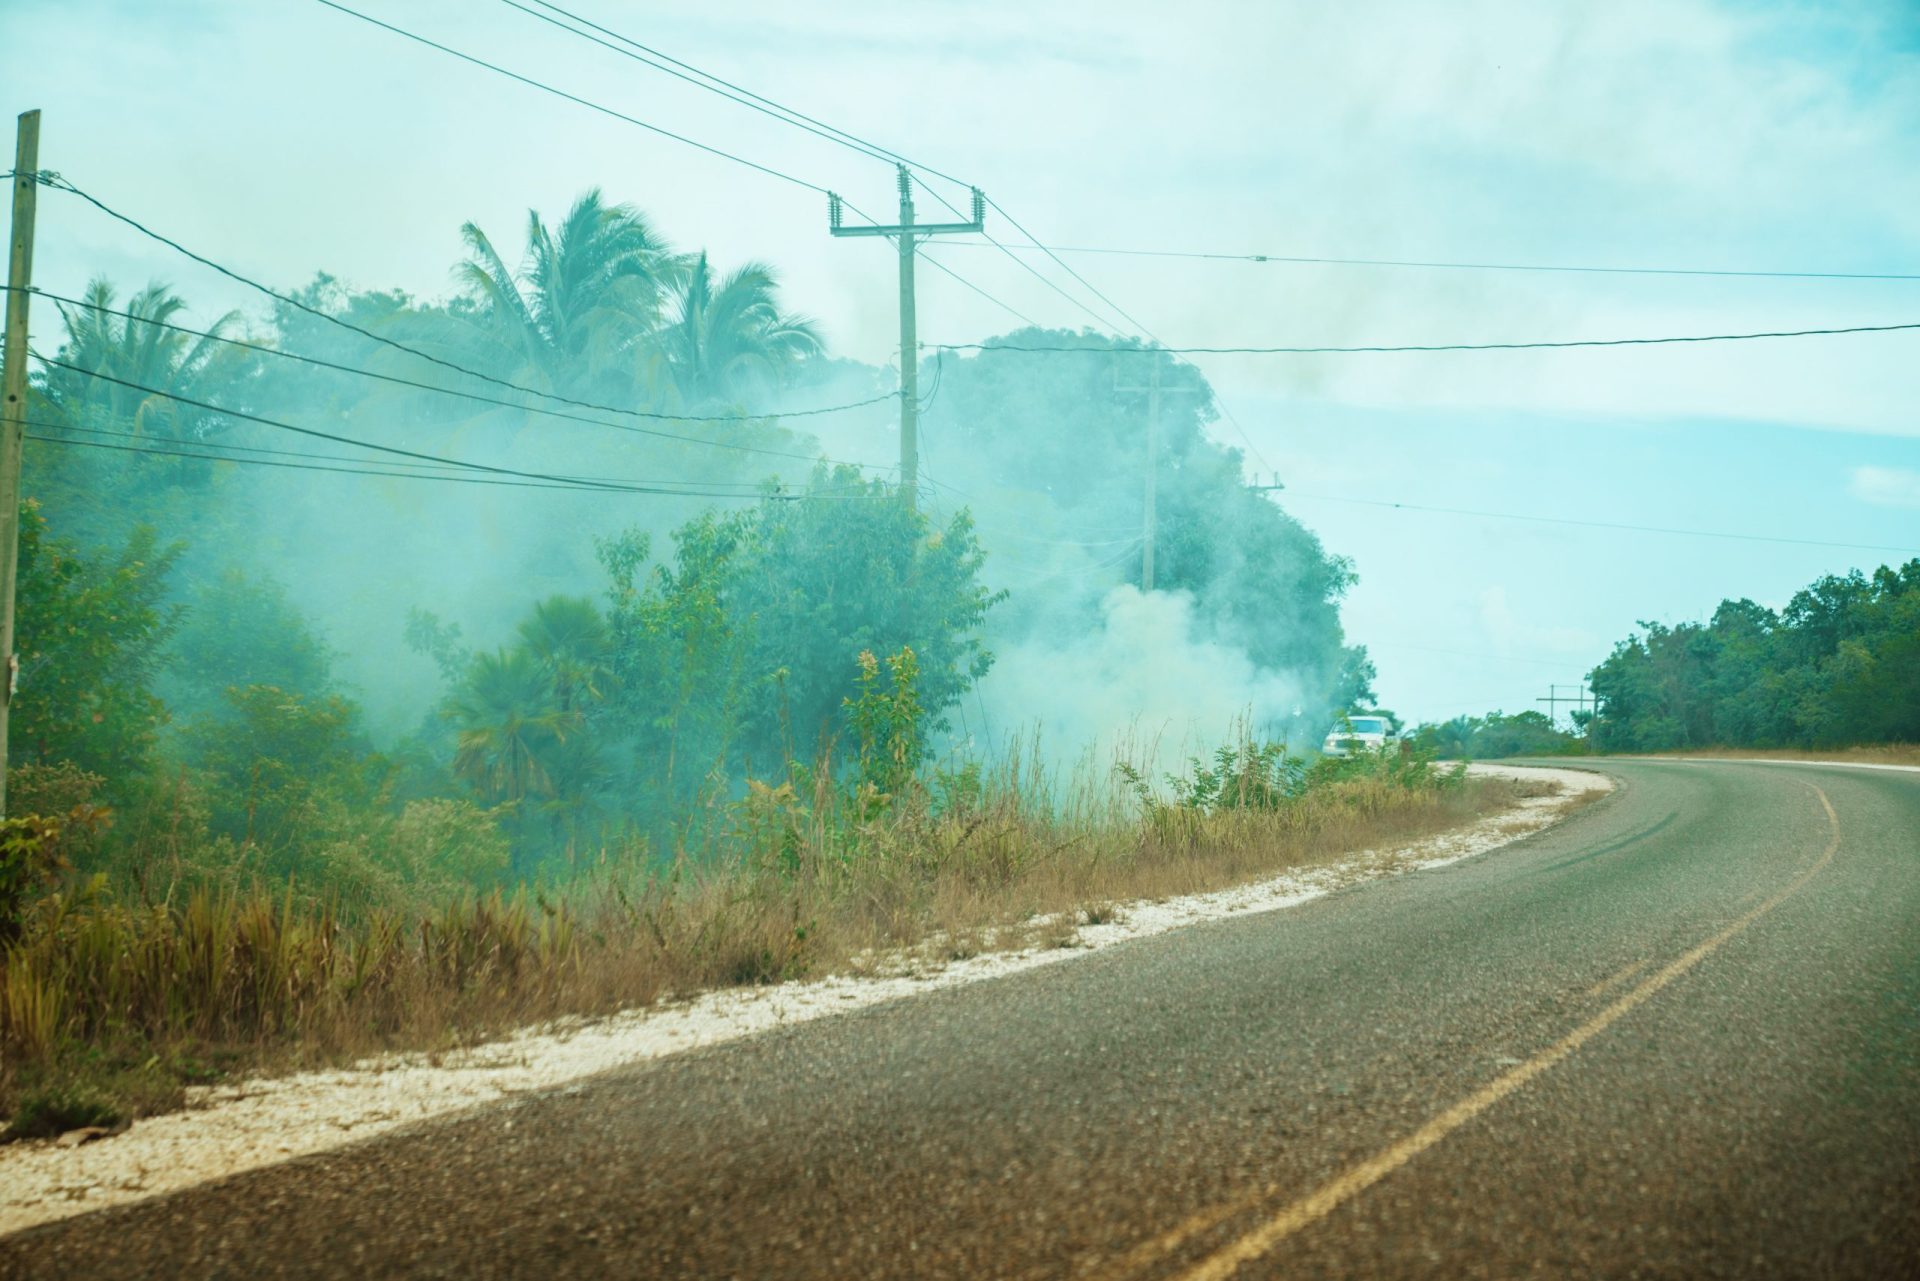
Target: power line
<point>349,471</point>
<point>799,118</point>
<point>309,431</point>
<point>751,101</point>
<point>575,98</point>
<point>1218,401</point>
<point>1437,265</point>
<point>871,152</point>
<point>1104,321</point>
<point>701,489</point>
<point>363,372</point>
<point>941,267</point>
<point>1598,524</point>
<point>62,184</point>
<point>767,107</point>
<point>1435,347</point>
<point>408,475</point>
<point>1085,283</point>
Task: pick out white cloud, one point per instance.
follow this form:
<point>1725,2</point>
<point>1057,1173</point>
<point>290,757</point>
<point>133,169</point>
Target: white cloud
<point>1887,486</point>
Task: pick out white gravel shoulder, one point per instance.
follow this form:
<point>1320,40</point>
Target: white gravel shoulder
<point>233,1128</point>
<point>1782,760</point>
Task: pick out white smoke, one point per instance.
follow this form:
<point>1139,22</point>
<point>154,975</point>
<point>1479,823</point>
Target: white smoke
<point>1145,684</point>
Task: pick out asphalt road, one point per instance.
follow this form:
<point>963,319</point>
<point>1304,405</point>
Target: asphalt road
<point>1679,1035</point>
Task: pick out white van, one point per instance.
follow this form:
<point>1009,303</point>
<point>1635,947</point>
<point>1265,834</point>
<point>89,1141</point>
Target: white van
<point>1358,733</point>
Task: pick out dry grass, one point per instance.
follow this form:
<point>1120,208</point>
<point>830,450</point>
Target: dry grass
<point>101,999</point>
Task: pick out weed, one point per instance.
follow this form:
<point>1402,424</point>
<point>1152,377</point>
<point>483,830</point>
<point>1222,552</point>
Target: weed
<point>43,1114</point>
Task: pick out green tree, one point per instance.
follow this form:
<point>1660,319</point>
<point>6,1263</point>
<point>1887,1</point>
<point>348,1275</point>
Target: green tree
<point>568,638</point>
<point>730,339</point>
<point>580,312</point>
<point>92,634</point>
<point>1056,446</point>
<point>741,653</point>
<point>137,348</point>
<point>240,629</point>
<point>284,771</point>
<point>1495,736</point>
<point>1836,666</point>
<point>508,720</point>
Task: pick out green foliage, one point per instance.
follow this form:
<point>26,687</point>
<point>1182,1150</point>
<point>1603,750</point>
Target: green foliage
<point>140,355</point>
<point>1241,775</point>
<point>283,771</point>
<point>43,1114</point>
<point>237,630</point>
<point>510,720</point>
<point>887,725</point>
<point>744,647</point>
<point>1060,443</point>
<point>92,633</point>
<point>426,633</point>
<point>1840,665</point>
<point>1497,735</point>
<point>29,863</point>
<point>730,337</point>
<point>573,317</point>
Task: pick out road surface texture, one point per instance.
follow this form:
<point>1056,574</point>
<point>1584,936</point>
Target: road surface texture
<point>1678,1035</point>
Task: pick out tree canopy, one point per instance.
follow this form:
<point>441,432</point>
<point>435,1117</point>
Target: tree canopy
<point>1840,664</point>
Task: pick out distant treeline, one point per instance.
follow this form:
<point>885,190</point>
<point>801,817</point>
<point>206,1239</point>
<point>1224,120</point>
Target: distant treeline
<point>1497,735</point>
<point>1839,666</point>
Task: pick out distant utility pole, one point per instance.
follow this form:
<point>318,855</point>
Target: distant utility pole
<point>13,402</point>
<point>906,235</point>
<point>1554,698</point>
<point>1150,521</point>
<point>1273,486</point>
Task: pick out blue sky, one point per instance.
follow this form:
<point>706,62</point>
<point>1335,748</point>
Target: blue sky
<point>289,138</point>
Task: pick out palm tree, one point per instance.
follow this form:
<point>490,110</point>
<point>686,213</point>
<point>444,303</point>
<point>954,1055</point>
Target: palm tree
<point>569,639</point>
<point>585,301</point>
<point>509,722</point>
<point>135,348</point>
<point>728,340</point>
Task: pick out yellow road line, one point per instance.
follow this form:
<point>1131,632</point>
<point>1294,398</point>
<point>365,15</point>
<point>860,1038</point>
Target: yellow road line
<point>1616,980</point>
<point>1157,1248</point>
<point>1329,1196</point>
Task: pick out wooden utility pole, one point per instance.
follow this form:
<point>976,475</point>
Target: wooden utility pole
<point>1150,521</point>
<point>13,402</point>
<point>907,234</point>
<point>1554,698</point>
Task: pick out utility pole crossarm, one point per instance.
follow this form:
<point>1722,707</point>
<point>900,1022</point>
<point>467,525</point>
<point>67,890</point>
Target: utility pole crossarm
<point>837,227</point>
<point>906,235</point>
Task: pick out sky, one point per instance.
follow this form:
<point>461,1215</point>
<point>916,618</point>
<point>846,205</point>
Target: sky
<point>287,137</point>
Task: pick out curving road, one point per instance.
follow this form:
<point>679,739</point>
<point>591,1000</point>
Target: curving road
<point>1678,1035</point>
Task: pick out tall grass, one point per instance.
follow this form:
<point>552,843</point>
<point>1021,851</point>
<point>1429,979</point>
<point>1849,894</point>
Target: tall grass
<point>803,878</point>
